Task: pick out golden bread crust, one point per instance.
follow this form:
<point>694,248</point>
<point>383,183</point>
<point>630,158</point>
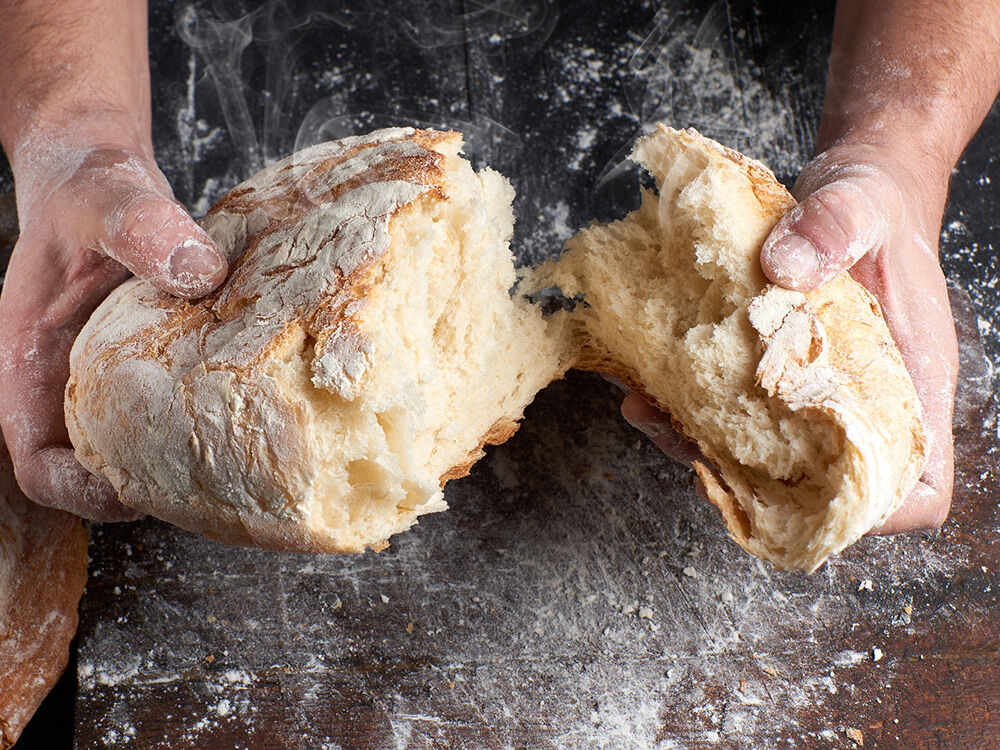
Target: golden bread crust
<point>176,403</point>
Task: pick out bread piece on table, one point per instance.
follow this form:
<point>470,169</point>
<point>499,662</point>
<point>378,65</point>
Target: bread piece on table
<point>43,569</point>
<point>800,403</point>
<point>361,352</point>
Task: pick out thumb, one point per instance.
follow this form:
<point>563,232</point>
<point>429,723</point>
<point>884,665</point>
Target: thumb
<point>118,202</point>
<point>847,212</point>
<point>155,238</point>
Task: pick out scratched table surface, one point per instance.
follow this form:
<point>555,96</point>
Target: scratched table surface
<point>578,594</point>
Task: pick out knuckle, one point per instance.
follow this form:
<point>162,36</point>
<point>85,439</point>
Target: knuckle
<point>846,214</point>
<point>27,477</point>
<point>136,231</point>
<point>935,506</point>
<point>127,218</point>
<point>106,167</point>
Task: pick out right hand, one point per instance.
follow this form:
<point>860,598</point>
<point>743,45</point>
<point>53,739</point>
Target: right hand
<point>90,214</point>
<point>875,211</point>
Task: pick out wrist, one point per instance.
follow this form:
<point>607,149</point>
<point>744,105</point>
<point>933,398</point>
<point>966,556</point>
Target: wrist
<point>911,77</point>
<point>74,71</point>
<point>49,131</point>
<point>58,143</point>
<point>894,169</point>
<point>910,139</point>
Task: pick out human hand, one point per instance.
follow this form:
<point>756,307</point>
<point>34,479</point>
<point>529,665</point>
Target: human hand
<point>875,212</point>
<point>909,84</point>
<point>90,211</point>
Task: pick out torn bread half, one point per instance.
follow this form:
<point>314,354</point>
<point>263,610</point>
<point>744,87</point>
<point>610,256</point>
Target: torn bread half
<point>362,351</point>
<point>800,403</point>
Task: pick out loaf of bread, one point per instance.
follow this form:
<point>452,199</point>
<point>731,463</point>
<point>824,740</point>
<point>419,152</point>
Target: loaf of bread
<point>800,403</point>
<point>366,346</point>
<point>43,569</point>
<point>363,349</point>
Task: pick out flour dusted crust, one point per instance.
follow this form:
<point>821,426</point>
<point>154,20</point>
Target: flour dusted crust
<point>253,415</point>
<point>821,367</point>
<point>43,569</point>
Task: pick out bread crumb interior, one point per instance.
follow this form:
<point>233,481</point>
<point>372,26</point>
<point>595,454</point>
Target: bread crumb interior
<point>666,291</point>
<point>448,342</point>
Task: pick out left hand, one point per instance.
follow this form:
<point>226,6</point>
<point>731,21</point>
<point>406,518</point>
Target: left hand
<point>875,212</point>
<point>90,214</point>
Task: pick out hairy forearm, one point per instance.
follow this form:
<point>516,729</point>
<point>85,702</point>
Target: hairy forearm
<point>918,75</point>
<point>73,67</point>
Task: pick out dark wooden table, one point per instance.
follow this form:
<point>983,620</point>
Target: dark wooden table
<point>578,594</point>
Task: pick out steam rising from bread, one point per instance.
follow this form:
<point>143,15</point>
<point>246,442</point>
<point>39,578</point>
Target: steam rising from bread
<point>229,46</point>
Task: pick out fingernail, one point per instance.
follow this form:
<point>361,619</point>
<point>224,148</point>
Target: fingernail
<point>793,259</point>
<point>193,263</point>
